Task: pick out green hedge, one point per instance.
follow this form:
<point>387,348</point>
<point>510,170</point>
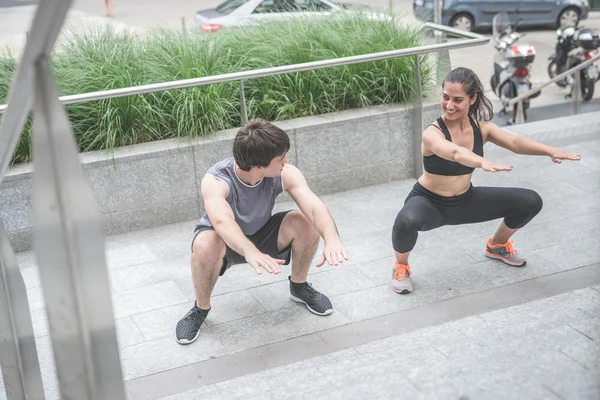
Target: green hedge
<point>106,59</point>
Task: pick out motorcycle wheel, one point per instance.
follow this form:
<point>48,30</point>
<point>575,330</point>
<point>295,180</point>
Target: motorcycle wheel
<point>493,83</point>
<point>552,73</point>
<point>587,88</point>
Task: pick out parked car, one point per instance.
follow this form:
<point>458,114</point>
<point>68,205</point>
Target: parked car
<point>236,13</point>
<point>471,14</point>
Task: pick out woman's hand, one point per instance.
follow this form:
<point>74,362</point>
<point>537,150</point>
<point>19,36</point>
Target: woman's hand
<point>490,166</point>
<point>557,155</point>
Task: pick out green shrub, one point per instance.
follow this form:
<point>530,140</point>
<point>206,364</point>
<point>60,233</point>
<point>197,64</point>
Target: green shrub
<point>104,59</point>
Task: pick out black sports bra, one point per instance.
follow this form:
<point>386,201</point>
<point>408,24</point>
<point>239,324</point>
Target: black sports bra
<point>439,166</point>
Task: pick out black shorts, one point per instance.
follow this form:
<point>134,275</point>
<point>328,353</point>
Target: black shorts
<point>265,240</point>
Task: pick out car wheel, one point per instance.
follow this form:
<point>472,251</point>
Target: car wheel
<point>462,21</point>
<point>568,17</point>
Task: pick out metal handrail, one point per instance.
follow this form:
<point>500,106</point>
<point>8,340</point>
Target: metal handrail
<point>557,78</point>
<point>472,39</point>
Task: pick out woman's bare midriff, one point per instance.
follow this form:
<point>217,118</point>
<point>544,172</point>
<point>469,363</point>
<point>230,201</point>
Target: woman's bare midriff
<point>446,186</point>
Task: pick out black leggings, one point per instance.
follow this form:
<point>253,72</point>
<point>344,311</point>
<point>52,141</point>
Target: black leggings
<point>424,210</point>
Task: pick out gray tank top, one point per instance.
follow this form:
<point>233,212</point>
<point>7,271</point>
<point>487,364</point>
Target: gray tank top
<point>252,205</point>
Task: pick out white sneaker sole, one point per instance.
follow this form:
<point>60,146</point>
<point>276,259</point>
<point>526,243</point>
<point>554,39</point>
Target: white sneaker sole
<point>299,300</point>
<point>403,291</point>
<point>187,341</point>
<point>504,260</point>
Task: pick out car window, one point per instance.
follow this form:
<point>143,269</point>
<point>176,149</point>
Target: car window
<point>312,5</point>
<point>270,6</point>
<point>228,6</point>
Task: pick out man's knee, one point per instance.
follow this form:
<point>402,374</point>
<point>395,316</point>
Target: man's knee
<point>208,246</point>
<point>300,227</point>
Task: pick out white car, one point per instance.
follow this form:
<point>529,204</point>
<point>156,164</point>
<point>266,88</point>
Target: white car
<point>236,13</point>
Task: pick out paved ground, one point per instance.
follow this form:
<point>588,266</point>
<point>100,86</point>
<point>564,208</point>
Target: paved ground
<point>473,327</point>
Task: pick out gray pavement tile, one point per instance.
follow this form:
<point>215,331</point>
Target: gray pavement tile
<point>572,253</point>
<point>232,306</point>
<point>590,158</point>
<point>147,299</point>
<point>588,181</point>
<point>150,273</point>
<point>243,276</point>
<point>162,322</point>
<point>593,145</point>
<point>368,249</point>
<point>120,254</point>
<point>164,384</point>
<point>128,333</point>
<point>332,281</point>
<point>165,353</point>
<point>381,300</point>
<point>229,367</point>
<point>441,258</point>
<point>224,308</point>
<point>292,350</point>
<point>493,273</point>
<point>274,326</point>
<point>378,271</point>
<point>253,386</point>
<point>205,393</point>
<point>170,241</point>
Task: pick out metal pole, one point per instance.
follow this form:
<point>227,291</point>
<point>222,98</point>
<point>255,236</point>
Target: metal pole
<point>437,11</point>
<point>520,112</point>
<point>243,111</point>
<point>18,353</point>
<point>576,93</point>
<point>68,240</point>
<point>417,118</point>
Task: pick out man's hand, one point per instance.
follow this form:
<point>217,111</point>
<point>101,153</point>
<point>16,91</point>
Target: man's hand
<point>260,260</point>
<point>333,252</point>
<point>490,166</point>
<point>557,155</point>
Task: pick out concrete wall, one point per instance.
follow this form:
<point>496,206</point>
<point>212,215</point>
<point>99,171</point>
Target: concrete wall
<point>157,183</point>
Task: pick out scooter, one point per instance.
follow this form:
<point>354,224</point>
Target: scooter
<point>557,63</point>
<point>512,63</point>
<point>587,42</point>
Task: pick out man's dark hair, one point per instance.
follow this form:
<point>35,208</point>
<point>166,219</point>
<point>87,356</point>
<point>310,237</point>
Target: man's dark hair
<point>257,143</point>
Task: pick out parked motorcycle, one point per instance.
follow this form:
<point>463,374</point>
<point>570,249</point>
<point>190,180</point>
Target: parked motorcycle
<point>557,63</point>
<point>574,46</point>
<point>511,64</point>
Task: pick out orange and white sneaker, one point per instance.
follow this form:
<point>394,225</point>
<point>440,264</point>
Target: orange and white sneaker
<point>401,282</point>
<point>504,252</point>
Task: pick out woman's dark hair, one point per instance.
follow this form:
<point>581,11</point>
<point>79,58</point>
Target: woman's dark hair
<point>257,143</point>
<point>482,109</point>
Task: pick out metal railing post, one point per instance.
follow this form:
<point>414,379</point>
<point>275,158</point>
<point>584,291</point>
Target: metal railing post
<point>18,353</point>
<point>69,242</point>
<point>520,112</point>
<point>576,94</point>
<point>243,110</point>
<point>417,117</point>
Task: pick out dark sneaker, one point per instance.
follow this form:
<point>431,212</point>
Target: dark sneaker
<point>401,282</point>
<point>188,328</point>
<point>504,252</point>
<point>316,302</point>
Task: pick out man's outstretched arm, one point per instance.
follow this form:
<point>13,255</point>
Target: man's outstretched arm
<point>317,213</point>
